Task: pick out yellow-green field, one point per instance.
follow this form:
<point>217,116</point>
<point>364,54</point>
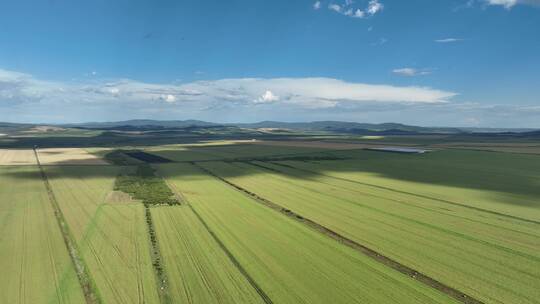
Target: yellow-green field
<point>282,222</point>
<point>35,264</point>
<point>280,253</point>
<point>197,268</point>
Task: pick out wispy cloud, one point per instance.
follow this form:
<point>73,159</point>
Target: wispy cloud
<point>27,98</point>
<point>448,40</point>
<point>410,72</point>
<point>380,41</point>
<point>317,5</point>
<point>23,89</point>
<point>507,4</point>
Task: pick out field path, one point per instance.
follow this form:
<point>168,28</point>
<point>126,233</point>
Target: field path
<point>85,281</point>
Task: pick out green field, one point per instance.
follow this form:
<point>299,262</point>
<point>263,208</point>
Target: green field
<point>235,222</point>
<point>268,245</point>
<point>491,257</point>
<point>111,237</point>
<point>197,268</point>
<point>36,267</point>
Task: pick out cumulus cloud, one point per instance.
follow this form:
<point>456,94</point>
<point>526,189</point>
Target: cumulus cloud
<point>268,96</point>
<point>348,9</point>
<point>411,72</point>
<point>168,98</point>
<point>374,7</point>
<point>317,5</point>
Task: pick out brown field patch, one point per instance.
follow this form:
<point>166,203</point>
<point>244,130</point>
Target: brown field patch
<point>11,157</point>
<point>68,156</point>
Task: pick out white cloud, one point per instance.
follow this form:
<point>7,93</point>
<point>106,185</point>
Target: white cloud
<point>267,97</point>
<point>317,5</point>
<point>506,3</point>
<point>359,14</point>
<point>26,98</point>
<point>374,7</point>
<point>334,7</point>
<point>348,9</point>
<point>168,98</point>
<point>411,72</point>
<point>25,93</point>
<point>448,40</point>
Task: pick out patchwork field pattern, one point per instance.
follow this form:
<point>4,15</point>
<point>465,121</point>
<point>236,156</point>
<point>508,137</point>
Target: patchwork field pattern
<point>488,256</point>
<point>251,222</point>
<point>279,253</point>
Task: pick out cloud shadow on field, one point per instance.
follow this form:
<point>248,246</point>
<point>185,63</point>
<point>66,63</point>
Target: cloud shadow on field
<point>501,175</point>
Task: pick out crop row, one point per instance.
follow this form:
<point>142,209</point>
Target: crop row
<point>492,259</point>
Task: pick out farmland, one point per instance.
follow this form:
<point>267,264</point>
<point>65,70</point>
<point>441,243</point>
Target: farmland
<point>15,157</point>
<point>271,222</point>
<point>454,241</point>
<point>265,243</point>
<point>35,263</point>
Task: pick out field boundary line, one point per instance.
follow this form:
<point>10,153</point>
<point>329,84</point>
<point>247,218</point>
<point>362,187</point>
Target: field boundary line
<point>405,192</point>
<point>85,280</point>
<point>227,252</point>
<point>155,253</point>
<point>156,258</point>
<point>387,261</point>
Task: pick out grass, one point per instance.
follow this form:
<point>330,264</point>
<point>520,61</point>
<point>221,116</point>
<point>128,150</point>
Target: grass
<point>280,254</point>
<point>492,258</point>
<point>197,268</point>
<point>36,267</point>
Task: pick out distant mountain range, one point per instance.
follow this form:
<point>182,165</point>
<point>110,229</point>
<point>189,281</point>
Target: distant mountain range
<point>326,126</point>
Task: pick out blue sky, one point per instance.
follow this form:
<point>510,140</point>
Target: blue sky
<point>424,62</point>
